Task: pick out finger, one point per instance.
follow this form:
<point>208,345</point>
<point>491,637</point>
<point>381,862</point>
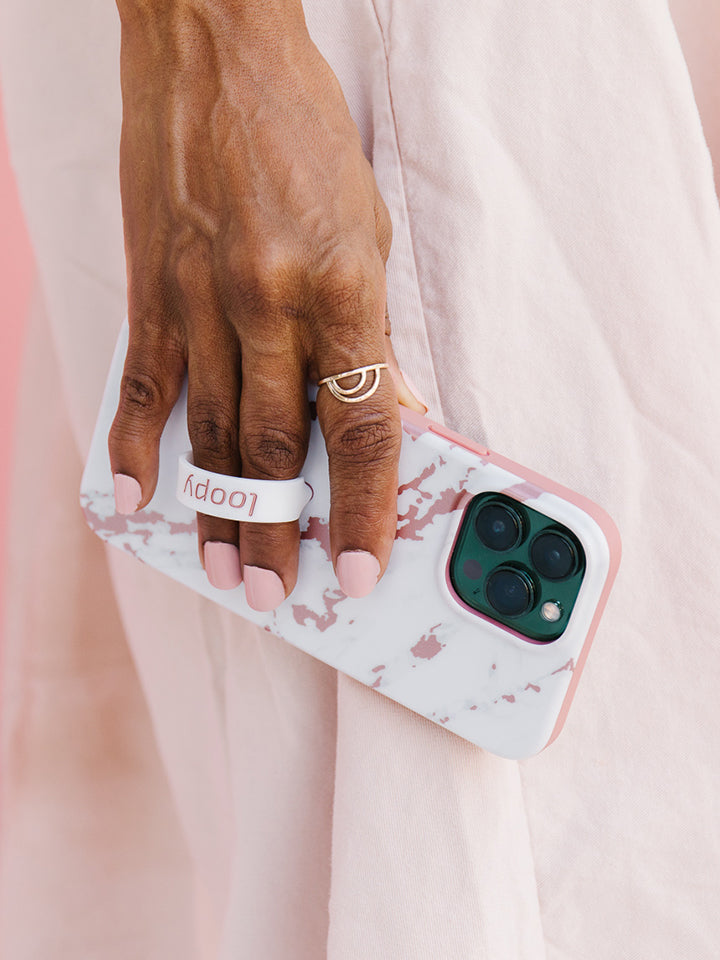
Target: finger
<point>274,431</point>
<point>362,438</point>
<point>383,227</point>
<point>152,378</point>
<point>213,401</point>
<point>407,393</point>
<point>213,396</point>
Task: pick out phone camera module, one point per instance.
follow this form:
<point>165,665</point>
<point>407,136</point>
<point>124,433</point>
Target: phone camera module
<point>516,566</point>
<point>509,591</point>
<point>553,556</point>
<point>498,526</point>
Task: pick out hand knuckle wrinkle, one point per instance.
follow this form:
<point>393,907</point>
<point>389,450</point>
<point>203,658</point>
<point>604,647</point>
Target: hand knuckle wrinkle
<point>367,441</point>
<point>210,436</point>
<point>272,451</point>
<point>140,392</point>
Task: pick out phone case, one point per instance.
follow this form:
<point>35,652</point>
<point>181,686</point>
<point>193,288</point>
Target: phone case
<point>411,639</point>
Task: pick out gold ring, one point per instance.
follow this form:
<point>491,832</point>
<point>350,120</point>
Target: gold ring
<point>353,394</point>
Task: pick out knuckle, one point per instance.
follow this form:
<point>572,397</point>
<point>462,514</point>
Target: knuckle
<point>212,435</point>
<point>140,393</point>
<point>347,288</point>
<point>192,265</point>
<point>263,277</point>
<point>272,452</point>
<point>347,274</point>
<point>376,439</point>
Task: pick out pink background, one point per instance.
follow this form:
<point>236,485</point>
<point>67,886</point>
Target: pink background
<point>16,266</point>
<point>112,795</point>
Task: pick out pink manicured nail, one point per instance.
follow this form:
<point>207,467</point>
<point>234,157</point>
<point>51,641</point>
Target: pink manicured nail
<point>263,588</point>
<point>414,390</point>
<point>128,493</point>
<point>222,564</point>
<point>357,572</point>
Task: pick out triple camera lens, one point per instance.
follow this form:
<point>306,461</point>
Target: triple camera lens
<point>510,589</point>
<point>516,565</point>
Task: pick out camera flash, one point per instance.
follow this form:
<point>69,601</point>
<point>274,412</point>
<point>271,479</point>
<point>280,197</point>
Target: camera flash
<point>551,611</point>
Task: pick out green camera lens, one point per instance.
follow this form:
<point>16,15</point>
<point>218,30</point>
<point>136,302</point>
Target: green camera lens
<point>498,526</point>
<point>509,591</point>
<point>553,556</point>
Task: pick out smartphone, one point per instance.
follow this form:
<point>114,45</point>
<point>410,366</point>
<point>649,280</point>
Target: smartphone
<point>483,620</point>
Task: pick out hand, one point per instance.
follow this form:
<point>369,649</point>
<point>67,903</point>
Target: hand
<point>256,242</point>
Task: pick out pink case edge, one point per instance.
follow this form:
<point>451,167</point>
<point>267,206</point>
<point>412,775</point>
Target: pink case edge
<point>594,510</point>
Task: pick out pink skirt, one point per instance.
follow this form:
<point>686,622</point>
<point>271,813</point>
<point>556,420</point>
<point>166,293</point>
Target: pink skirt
<point>178,784</point>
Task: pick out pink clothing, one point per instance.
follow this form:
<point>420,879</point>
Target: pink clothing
<point>180,784</point>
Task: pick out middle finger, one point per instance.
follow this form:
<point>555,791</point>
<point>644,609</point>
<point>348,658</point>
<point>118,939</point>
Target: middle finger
<point>274,432</point>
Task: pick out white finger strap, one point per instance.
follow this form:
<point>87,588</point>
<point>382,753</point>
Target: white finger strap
<point>238,498</point>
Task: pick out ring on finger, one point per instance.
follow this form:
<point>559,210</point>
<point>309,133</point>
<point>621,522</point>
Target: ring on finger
<point>358,392</point>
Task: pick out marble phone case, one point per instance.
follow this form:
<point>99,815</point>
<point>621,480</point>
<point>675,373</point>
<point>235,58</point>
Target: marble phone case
<point>411,640</point>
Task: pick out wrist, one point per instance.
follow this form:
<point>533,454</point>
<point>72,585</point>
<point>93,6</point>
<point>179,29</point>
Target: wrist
<point>247,19</point>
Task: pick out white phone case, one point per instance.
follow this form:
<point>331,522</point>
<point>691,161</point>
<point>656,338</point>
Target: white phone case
<point>411,639</point>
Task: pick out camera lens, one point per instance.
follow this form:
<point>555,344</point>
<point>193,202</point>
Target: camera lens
<point>553,556</point>
<point>510,592</point>
<point>499,527</point>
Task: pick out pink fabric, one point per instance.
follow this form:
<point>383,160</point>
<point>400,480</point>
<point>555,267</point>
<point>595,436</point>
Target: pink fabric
<point>698,27</point>
<point>180,784</point>
<point>16,267</point>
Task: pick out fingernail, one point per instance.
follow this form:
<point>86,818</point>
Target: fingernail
<point>128,493</point>
<point>357,572</point>
<point>263,588</point>
<point>414,390</point>
<point>222,564</point>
